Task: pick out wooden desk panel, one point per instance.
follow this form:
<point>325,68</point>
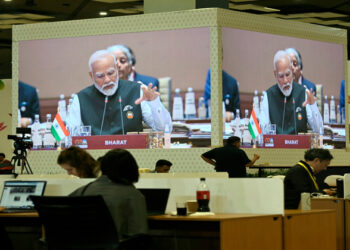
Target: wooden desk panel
<point>222,231</point>
<point>347,224</point>
<point>336,204</point>
<point>305,230</point>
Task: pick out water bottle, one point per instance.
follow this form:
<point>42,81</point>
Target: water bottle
<point>325,111</point>
<point>261,101</point>
<point>178,113</point>
<point>246,137</point>
<point>338,114</point>
<point>209,109</point>
<point>49,140</point>
<point>223,117</point>
<point>332,116</point>
<point>203,196</point>
<point>237,123</point>
<point>167,137</point>
<point>342,113</point>
<point>202,112</point>
<point>256,103</point>
<point>190,106</point>
<point>36,136</point>
<point>62,107</point>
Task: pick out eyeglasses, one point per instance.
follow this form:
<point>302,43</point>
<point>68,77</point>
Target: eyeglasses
<point>287,74</point>
<point>109,73</point>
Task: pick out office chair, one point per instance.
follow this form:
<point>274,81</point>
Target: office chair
<point>82,222</point>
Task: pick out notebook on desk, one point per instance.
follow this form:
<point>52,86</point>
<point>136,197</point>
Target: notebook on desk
<point>156,199</point>
<point>15,195</point>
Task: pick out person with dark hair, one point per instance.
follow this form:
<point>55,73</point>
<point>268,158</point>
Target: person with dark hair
<point>342,96</point>
<point>78,162</point>
<point>126,204</point>
<point>297,69</point>
<point>230,158</point>
<point>230,91</point>
<point>127,65</point>
<point>5,165</point>
<point>162,166</point>
<point>28,103</point>
<point>301,178</point>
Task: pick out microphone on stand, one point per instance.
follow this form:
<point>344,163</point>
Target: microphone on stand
<point>284,111</point>
<point>104,112</point>
<point>295,122</point>
<point>121,114</point>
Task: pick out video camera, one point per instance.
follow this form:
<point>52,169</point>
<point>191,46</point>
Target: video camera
<point>24,142</point>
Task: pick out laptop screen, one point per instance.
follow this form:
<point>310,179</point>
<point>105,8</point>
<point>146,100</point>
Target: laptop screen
<point>16,193</point>
<point>156,199</point>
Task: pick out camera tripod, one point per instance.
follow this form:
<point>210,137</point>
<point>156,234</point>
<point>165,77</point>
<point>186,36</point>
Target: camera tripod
<point>21,160</point>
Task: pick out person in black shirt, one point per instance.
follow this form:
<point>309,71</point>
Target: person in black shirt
<point>300,178</point>
<point>230,158</point>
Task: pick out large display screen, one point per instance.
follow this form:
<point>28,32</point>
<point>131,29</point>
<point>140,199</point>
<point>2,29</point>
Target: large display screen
<point>60,66</point>
<point>249,58</point>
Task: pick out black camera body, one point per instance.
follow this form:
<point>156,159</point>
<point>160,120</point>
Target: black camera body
<point>22,143</point>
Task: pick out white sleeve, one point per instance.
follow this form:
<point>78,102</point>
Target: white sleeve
<point>264,116</point>
<point>314,118</point>
<point>155,115</point>
<point>74,117</point>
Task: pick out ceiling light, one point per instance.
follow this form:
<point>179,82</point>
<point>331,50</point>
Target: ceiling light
<point>103,13</point>
<point>8,0</point>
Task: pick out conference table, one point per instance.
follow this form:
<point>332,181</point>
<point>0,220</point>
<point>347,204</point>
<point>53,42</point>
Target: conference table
<point>314,229</point>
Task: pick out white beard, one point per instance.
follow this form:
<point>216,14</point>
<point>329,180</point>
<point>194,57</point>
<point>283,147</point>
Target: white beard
<point>107,92</point>
<point>288,91</point>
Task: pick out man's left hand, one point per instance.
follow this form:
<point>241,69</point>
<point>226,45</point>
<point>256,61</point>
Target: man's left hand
<point>310,99</point>
<point>149,93</point>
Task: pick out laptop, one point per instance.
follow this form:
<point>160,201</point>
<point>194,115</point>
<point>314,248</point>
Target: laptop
<point>156,199</point>
<point>15,195</point>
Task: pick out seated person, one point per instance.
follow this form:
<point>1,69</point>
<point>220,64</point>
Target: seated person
<point>78,162</point>
<point>122,52</point>
<point>111,105</point>
<point>162,166</point>
<point>28,103</point>
<point>229,89</point>
<point>287,104</point>
<point>5,165</point>
<point>126,204</point>
<point>297,68</point>
<point>301,178</point>
<point>342,95</point>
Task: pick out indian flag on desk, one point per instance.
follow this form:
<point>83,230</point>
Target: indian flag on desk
<point>254,127</point>
<point>58,129</point>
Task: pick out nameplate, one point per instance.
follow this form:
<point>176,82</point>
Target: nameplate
<point>287,141</point>
<point>111,141</point>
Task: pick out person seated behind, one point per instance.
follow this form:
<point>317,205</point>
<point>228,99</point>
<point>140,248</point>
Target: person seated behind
<point>28,103</point>
<point>78,162</point>
<point>301,178</point>
<point>287,104</point>
<point>230,158</point>
<point>126,204</point>
<point>127,64</point>
<point>229,90</point>
<point>163,166</point>
<point>5,165</point>
<point>119,99</point>
<point>297,69</point>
